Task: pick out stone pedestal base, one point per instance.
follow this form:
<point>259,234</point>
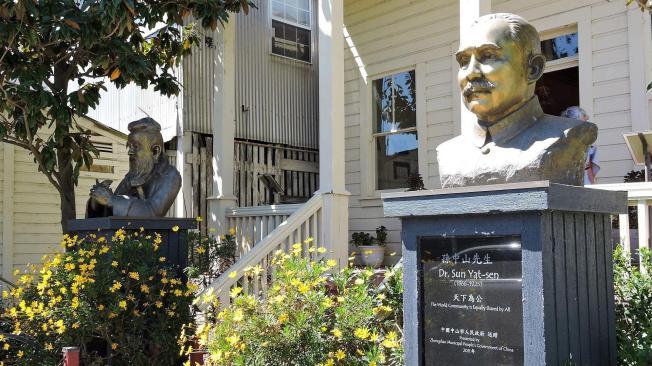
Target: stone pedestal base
<point>514,274</point>
<point>174,246</point>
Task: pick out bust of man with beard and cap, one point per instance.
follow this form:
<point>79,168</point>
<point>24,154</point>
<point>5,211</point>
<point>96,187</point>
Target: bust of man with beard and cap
<point>151,185</point>
<point>512,140</point>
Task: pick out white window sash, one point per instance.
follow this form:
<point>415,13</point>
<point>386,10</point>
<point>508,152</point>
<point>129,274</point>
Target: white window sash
<point>286,21</point>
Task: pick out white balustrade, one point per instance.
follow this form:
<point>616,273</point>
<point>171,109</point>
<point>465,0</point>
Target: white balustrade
<point>253,224</point>
<point>639,194</point>
<point>291,224</point>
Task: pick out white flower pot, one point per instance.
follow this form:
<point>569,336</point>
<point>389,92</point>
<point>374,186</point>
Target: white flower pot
<point>369,255</point>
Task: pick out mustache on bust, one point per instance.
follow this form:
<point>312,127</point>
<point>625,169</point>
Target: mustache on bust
<point>477,85</point>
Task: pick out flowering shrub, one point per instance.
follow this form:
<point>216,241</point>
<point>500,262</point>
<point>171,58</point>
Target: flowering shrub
<point>633,292</point>
<point>209,257</point>
<point>310,317</point>
<point>115,298</point>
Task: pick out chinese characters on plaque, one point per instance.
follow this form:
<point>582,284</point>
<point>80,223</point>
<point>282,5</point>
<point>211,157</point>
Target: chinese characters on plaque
<point>472,310</point>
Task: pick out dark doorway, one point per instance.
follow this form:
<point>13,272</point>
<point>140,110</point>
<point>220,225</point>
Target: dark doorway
<point>558,90</point>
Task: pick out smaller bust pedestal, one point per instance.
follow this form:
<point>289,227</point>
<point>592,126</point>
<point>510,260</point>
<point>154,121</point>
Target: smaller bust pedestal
<point>510,274</point>
<point>174,246</point>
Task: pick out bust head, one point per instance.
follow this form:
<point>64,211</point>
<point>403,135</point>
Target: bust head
<point>145,148</point>
<point>500,61</point>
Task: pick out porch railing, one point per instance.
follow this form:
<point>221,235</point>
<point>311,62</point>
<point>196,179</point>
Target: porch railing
<point>253,224</point>
<point>639,195</point>
<point>252,272</point>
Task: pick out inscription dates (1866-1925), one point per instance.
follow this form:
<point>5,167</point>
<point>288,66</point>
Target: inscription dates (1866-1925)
<point>471,305</point>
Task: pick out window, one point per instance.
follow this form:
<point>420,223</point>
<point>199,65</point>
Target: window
<point>560,47</point>
<point>559,87</point>
<point>291,22</point>
<point>394,119</point>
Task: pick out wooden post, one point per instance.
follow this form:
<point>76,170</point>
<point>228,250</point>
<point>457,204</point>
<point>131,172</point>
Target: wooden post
<point>197,357</point>
<point>470,10</point>
<point>643,226</point>
<point>8,212</point>
<point>223,126</point>
<point>70,356</point>
<point>623,228</point>
<point>335,231</point>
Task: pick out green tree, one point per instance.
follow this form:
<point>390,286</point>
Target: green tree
<point>48,46</point>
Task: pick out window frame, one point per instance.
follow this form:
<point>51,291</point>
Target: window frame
<point>309,28</point>
<point>565,62</point>
<point>369,191</point>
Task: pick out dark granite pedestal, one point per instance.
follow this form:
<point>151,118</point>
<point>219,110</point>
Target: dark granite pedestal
<point>513,274</point>
<point>174,245</point>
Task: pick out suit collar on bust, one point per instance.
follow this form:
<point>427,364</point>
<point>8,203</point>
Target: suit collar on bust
<point>509,127</point>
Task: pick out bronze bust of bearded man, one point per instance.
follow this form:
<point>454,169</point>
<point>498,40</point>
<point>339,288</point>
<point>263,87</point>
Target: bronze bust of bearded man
<point>512,140</point>
<point>151,185</point>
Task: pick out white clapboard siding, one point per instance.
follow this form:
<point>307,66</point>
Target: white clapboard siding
<point>36,215</point>
<point>384,37</point>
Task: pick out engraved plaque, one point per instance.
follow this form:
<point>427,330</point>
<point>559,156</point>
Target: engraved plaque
<point>471,300</point>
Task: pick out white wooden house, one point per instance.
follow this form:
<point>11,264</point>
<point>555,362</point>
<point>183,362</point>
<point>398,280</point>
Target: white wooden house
<point>30,224</point>
<point>296,87</point>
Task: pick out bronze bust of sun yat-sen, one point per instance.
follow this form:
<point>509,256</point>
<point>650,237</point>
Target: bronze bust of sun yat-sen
<point>512,140</point>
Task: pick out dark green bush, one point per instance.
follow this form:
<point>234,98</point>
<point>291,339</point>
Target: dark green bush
<point>633,292</point>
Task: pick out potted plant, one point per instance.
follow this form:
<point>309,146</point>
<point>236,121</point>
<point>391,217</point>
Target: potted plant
<point>370,250</point>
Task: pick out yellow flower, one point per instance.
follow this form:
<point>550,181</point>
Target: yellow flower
<point>331,263</point>
<point>200,250</point>
<point>104,249</point>
<point>233,274</point>
<point>178,292</point>
<point>20,354</point>
<point>232,231</point>
<point>144,289</point>
<point>100,307</point>
<point>161,259</point>
<point>337,333</point>
<point>340,354</point>
<point>238,315</point>
<point>372,363</point>
<point>199,219</point>
<point>321,250</point>
<point>49,346</point>
<point>374,337</point>
<point>282,318</point>
<point>114,264</point>
<point>327,303</point>
<point>362,333</point>
<point>123,304</point>
<point>69,266</point>
<point>235,291</point>
<point>175,228</point>
<point>134,275</point>
<point>114,346</point>
<point>303,288</point>
<point>158,304</point>
<point>329,362</point>
<point>5,346</point>
<point>233,340</point>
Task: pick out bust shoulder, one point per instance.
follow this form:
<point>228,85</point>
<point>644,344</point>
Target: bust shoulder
<point>453,143</point>
<point>569,129</point>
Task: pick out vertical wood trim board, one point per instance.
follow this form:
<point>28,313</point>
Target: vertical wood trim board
<point>582,285</point>
<point>638,97</point>
<point>8,212</point>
